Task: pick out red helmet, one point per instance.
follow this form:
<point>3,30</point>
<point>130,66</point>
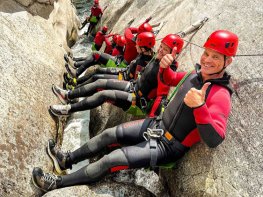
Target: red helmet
<point>223,41</point>
<point>96,1</point>
<point>173,40</point>
<point>145,27</point>
<point>121,41</point>
<point>145,39</point>
<point>104,29</point>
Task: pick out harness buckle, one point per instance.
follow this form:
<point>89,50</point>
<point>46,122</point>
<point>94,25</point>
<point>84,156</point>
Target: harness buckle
<point>153,134</point>
<point>143,103</point>
<point>132,87</point>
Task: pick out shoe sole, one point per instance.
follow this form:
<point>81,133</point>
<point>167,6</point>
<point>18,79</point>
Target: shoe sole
<point>66,58</point>
<point>54,161</point>
<point>57,115</point>
<point>34,183</point>
<point>62,100</point>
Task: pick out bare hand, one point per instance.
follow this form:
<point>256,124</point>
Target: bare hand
<point>195,98</point>
<point>168,59</point>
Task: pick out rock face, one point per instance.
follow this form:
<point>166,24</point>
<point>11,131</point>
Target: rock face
<point>31,60</point>
<point>40,7</point>
<point>235,167</point>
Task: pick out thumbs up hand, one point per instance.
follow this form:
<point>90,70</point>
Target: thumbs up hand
<point>168,59</point>
<point>196,98</point>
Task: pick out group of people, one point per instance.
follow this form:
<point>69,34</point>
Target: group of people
<point>198,111</point>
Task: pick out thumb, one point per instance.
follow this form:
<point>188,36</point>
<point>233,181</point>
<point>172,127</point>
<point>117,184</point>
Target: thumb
<point>174,51</point>
<point>204,88</point>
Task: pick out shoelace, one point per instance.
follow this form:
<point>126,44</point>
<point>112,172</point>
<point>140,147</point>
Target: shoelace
<point>49,178</point>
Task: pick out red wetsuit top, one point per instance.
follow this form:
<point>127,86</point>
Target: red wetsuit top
<point>208,121</point>
<point>151,87</point>
<point>109,45</point>
<point>117,51</point>
<point>96,11</point>
<point>108,48</point>
<point>130,52</point>
<point>99,38</point>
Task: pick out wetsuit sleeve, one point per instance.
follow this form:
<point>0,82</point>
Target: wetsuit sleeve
<point>129,33</point>
<point>107,41</point>
<point>169,77</point>
<point>109,35</point>
<point>211,118</point>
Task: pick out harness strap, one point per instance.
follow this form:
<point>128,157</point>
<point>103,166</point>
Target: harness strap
<point>169,139</point>
<point>153,152</point>
<point>152,135</point>
<point>179,85</point>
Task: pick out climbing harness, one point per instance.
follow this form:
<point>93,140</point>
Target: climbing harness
<point>153,135</point>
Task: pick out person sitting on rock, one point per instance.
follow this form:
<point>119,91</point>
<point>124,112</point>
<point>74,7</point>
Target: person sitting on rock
<point>99,39</point>
<point>199,110</point>
<point>130,52</point>
<point>93,19</point>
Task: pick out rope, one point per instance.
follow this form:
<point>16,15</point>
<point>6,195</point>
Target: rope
<point>249,55</point>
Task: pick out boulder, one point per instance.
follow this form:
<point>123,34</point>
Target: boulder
<point>31,60</point>
<point>74,191</point>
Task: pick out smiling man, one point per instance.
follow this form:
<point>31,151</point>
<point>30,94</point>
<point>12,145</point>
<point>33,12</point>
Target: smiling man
<point>204,99</point>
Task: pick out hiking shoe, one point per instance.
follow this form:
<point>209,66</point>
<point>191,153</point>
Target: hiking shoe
<point>61,94</point>
<point>60,110</point>
<point>45,181</point>
<point>61,161</point>
<point>70,80</point>
<point>71,71</point>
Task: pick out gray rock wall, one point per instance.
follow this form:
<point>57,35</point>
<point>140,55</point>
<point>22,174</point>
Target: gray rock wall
<point>235,167</point>
<point>31,60</point>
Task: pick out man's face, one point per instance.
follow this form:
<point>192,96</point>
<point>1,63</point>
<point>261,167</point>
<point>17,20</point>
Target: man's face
<point>211,62</point>
<point>162,51</point>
